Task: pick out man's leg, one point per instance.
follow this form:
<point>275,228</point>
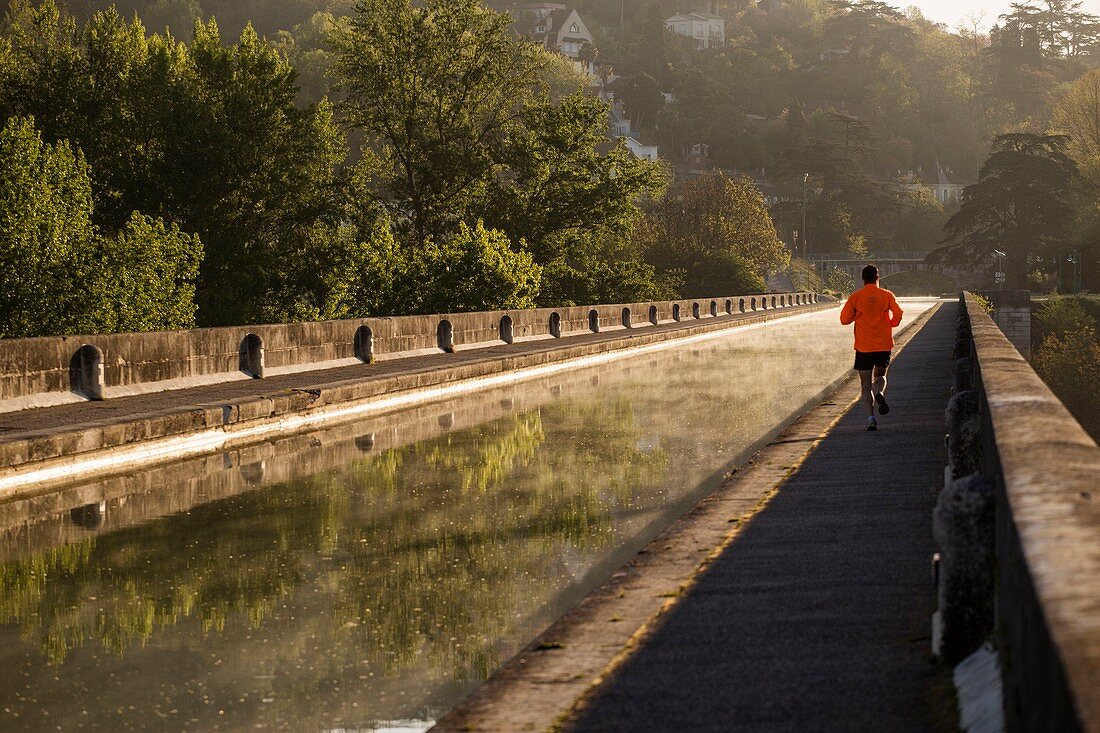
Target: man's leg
<point>878,386</point>
<point>865,391</point>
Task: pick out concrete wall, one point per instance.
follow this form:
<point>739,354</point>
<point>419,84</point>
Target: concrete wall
<point>1012,313</point>
<point>1044,471</point>
<point>42,371</point>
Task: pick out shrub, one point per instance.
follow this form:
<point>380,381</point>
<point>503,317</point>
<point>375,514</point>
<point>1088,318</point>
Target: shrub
<point>1070,365</point>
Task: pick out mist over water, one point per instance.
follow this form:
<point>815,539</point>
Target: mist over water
<point>370,575</point>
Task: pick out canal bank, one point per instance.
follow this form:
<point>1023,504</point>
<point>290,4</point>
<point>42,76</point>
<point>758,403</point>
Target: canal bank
<point>48,446</point>
<point>796,596</point>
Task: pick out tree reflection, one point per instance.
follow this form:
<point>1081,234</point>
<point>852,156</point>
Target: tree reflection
<point>421,552</point>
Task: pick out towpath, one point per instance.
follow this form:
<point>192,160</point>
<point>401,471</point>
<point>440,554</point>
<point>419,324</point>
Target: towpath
<point>817,616</point>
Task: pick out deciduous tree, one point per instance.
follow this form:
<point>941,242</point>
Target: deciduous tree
<point>58,273</point>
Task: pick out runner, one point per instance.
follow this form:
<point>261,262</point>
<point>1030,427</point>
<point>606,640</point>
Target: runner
<point>876,313</point>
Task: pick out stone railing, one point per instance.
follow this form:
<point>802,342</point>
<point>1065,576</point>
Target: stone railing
<point>55,370</point>
<point>1018,526</point>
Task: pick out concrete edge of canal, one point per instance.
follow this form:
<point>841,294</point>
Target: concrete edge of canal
<point>39,460</point>
<point>552,676</point>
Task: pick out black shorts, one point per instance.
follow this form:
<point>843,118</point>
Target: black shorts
<point>868,360</point>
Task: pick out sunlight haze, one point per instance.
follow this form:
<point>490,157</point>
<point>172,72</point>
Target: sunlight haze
<point>954,12</point>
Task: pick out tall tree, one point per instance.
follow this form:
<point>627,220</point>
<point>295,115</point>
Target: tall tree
<point>463,127</point>
<point>206,136</point>
<point>1020,205</point>
<point>435,88</point>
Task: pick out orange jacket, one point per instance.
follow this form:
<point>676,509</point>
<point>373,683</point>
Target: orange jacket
<point>876,313</point>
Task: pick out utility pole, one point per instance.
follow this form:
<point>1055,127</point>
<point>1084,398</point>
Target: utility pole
<point>805,248</point>
<point>622,27</point>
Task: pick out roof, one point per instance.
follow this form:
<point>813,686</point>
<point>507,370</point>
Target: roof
<point>695,15</point>
<point>939,177</point>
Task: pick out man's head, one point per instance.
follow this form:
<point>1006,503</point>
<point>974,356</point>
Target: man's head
<point>870,274</point>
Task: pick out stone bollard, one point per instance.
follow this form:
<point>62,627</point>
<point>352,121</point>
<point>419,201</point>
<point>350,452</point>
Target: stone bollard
<point>963,374</point>
<point>962,525</point>
<point>963,337</point>
<point>964,445</point>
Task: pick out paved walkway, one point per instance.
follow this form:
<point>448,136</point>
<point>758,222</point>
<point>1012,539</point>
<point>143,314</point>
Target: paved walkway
<point>817,617</point>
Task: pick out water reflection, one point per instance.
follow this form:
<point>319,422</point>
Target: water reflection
<point>372,572</point>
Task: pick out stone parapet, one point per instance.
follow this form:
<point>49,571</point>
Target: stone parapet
<point>1046,473</point>
<point>39,372</point>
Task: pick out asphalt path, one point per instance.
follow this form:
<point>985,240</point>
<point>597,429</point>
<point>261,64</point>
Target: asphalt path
<point>817,617</point>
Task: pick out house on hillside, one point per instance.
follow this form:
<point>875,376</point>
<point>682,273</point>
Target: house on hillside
<point>620,127</point>
<point>640,149</point>
<point>697,160</point>
<point>705,27</point>
<point>556,26</point>
<point>943,184</point>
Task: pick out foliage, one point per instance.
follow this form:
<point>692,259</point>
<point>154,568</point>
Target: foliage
<point>1067,356</point>
<point>607,273</point>
<point>146,277</point>
<point>1020,205</point>
<point>435,88</point>
<point>718,232</point>
<point>553,187</point>
<point>476,269</point>
<point>1070,365</point>
<point>59,274</point>
<point>1078,116</point>
<point>839,281</point>
<point>460,131</point>
<point>804,276</point>
<point>983,302</point>
<point>205,136</point>
<point>1059,316</point>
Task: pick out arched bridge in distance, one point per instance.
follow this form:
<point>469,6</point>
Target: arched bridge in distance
<point>647,516</point>
<point>889,263</point>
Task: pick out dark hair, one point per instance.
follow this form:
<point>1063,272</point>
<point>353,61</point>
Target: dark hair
<point>870,274</point>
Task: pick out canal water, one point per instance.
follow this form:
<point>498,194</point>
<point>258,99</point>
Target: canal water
<point>367,577</point>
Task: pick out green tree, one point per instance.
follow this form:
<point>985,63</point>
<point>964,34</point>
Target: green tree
<point>718,231</point>
<point>45,229</point>
<point>560,191</point>
<point>1077,116</point>
<point>435,88</point>
<point>1020,205</point>
<point>146,277</point>
<point>839,281</point>
<point>58,274</point>
<point>1061,316</point>
<point>476,269</point>
<point>206,136</point>
<point>467,123</point>
<point>1070,365</point>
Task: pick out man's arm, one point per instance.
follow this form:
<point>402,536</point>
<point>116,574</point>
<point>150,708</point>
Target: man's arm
<point>895,311</point>
<point>848,312</point>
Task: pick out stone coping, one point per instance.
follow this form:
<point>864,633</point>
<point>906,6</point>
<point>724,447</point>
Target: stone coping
<point>46,371</point>
<point>1050,469</point>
